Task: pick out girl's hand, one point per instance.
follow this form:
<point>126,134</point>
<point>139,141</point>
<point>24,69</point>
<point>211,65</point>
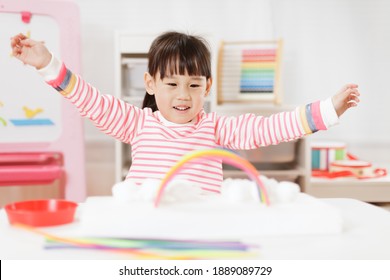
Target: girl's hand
<point>346,98</point>
<point>29,51</point>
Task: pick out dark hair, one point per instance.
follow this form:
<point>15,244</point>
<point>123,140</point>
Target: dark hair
<point>177,53</point>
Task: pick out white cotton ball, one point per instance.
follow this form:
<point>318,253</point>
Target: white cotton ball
<point>239,190</point>
<point>229,190</point>
<point>125,191</point>
<point>287,192</point>
<point>225,185</point>
<point>270,185</point>
<point>181,190</point>
<point>148,190</point>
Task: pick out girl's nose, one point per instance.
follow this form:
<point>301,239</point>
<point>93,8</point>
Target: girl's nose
<point>183,94</point>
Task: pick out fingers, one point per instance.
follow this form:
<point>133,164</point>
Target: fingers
<point>351,85</point>
<point>349,90</point>
<point>17,39</point>
<point>348,87</point>
<point>352,97</point>
<point>19,42</point>
<point>349,96</point>
<point>28,42</point>
<point>16,44</point>
<point>351,104</point>
<point>17,48</point>
<point>346,98</point>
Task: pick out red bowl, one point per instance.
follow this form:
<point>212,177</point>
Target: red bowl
<point>39,213</point>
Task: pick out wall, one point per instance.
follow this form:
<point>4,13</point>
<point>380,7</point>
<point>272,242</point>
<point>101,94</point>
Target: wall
<point>327,43</point>
<point>330,43</point>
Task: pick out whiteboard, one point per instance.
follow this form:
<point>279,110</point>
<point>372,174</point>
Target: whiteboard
<point>30,110</point>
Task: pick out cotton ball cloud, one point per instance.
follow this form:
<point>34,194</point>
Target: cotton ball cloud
<point>148,190</point>
<point>128,190</point>
<point>286,192</point>
<point>270,185</point>
<point>125,191</point>
<point>182,190</point>
<point>242,190</point>
<point>239,190</point>
<point>176,190</point>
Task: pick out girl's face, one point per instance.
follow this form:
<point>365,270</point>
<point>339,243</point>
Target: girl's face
<point>179,98</point>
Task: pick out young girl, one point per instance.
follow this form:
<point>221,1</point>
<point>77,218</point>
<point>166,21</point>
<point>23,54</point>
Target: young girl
<point>173,122</point>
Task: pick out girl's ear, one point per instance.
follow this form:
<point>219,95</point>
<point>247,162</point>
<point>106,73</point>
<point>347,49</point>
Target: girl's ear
<point>149,83</point>
<point>208,87</point>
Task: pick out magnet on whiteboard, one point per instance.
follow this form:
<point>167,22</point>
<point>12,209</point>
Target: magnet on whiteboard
<point>26,16</point>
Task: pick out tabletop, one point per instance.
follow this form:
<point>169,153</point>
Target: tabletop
<point>366,235</point>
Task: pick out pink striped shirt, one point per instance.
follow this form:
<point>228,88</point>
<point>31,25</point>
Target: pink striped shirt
<point>158,144</point>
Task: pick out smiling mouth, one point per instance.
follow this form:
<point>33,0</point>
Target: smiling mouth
<point>181,108</point>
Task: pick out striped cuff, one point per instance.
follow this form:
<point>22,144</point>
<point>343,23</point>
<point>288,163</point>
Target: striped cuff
<point>51,71</point>
<point>58,76</point>
<point>318,116</point>
<point>328,113</point>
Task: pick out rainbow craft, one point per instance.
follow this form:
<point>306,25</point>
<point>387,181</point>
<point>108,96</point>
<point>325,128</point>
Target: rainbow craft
<point>213,217</point>
<point>225,155</point>
<point>258,67</point>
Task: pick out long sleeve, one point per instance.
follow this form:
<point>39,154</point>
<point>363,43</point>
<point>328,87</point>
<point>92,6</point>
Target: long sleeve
<point>249,131</point>
<point>111,115</point>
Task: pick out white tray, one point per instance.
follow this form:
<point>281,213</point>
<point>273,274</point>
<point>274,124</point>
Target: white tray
<point>211,219</point>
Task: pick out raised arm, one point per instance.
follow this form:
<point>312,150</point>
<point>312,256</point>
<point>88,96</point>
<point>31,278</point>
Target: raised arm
<point>250,131</point>
<point>111,115</point>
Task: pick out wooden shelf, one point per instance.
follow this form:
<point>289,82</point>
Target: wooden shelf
<point>369,190</point>
<point>292,173</point>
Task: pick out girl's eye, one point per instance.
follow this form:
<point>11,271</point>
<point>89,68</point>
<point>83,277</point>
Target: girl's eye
<point>194,85</point>
<point>171,84</point>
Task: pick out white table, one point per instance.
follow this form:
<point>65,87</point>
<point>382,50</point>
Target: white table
<point>366,235</point>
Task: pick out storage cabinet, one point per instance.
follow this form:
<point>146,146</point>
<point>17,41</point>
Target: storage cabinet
<point>130,60</point>
<point>286,161</point>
